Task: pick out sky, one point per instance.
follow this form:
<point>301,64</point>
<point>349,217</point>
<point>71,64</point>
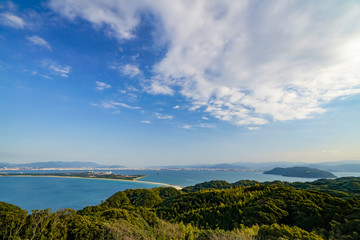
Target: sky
<point>155,82</point>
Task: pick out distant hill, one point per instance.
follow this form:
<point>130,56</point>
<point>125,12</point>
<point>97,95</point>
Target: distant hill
<point>216,184</point>
<point>222,166</point>
<point>337,166</point>
<point>304,172</point>
<point>58,164</point>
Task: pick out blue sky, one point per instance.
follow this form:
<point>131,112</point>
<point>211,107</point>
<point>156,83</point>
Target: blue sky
<point>147,83</point>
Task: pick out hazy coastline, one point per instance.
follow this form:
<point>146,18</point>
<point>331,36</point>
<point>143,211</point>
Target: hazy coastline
<point>135,180</point>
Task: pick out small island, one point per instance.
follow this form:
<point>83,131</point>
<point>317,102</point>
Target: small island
<point>302,172</point>
<point>89,174</point>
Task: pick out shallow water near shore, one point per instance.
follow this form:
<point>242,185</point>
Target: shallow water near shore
<point>57,193</point>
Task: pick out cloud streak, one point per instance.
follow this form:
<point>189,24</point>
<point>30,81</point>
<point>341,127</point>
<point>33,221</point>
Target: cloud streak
<point>200,125</point>
<point>246,62</point>
<point>36,40</point>
<point>127,69</point>
<point>101,85</point>
<point>163,116</point>
<point>57,69</point>
<point>114,105</point>
<point>11,20</point>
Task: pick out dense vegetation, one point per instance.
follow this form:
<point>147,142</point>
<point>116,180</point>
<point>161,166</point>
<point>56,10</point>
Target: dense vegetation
<point>341,187</point>
<point>304,172</point>
<point>213,210</point>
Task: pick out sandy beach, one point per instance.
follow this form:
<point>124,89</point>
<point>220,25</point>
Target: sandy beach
<point>135,180</point>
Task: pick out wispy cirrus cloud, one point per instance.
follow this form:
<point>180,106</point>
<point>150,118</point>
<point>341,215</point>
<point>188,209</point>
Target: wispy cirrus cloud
<point>186,126</point>
<point>115,104</point>
<point>124,105</point>
<point>200,125</point>
<point>57,69</point>
<point>206,125</point>
<point>63,71</point>
<point>163,116</point>
<point>246,62</point>
<point>46,76</point>
<point>11,20</point>
<point>36,40</point>
<point>131,70</point>
<point>127,69</point>
<point>101,85</point>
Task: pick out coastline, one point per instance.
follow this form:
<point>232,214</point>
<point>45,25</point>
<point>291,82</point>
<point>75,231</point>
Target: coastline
<point>135,180</point>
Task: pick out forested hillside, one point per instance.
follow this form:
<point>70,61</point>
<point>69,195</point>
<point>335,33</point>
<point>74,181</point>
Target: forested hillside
<point>213,210</point>
<point>304,172</point>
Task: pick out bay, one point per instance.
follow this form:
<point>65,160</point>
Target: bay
<point>58,193</point>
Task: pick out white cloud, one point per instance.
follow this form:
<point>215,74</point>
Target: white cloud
<point>124,105</point>
<point>114,105</point>
<point>156,87</point>
<point>200,125</point>
<point>36,40</point>
<point>131,70</point>
<point>57,69</point>
<point>132,89</point>
<point>108,105</point>
<point>187,126</point>
<point>146,121</point>
<point>11,20</point>
<point>60,70</point>
<point>253,128</point>
<point>246,62</point>
<point>118,17</point>
<point>163,116</point>
<point>207,125</point>
<point>176,107</point>
<point>101,85</point>
<point>127,69</point>
<point>46,76</point>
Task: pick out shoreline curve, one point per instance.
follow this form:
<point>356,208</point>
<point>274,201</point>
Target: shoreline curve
<point>135,180</point>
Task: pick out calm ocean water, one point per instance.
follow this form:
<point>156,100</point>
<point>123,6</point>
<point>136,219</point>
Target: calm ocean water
<point>58,193</point>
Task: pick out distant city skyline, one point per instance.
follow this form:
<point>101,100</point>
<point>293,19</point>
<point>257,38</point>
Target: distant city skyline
<point>152,83</point>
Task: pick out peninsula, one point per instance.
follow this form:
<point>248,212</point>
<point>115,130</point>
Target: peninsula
<point>89,174</point>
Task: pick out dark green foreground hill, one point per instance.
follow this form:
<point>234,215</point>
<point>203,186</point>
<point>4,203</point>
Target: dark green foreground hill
<point>213,210</point>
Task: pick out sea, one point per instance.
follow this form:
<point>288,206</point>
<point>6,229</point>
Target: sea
<point>56,193</point>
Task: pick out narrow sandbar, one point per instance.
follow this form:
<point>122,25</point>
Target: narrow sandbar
<point>135,180</point>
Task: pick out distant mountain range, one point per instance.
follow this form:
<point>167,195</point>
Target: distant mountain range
<point>208,166</point>
<point>338,166</point>
<point>58,164</point>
